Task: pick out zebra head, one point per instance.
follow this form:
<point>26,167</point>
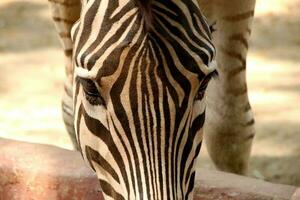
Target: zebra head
<point>138,94</point>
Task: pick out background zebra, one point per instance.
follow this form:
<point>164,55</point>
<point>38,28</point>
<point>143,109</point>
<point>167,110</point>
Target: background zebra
<point>131,112</point>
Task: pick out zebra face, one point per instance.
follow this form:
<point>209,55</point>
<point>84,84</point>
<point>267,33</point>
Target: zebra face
<point>138,96</point>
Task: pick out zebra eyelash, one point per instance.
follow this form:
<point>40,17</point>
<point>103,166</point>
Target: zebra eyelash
<point>89,87</point>
<point>91,92</point>
<point>202,89</point>
<point>212,27</point>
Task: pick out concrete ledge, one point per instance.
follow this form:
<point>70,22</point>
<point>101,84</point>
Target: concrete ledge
<point>213,185</point>
<point>36,172</point>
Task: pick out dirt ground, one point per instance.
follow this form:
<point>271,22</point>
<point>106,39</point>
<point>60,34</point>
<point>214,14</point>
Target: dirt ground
<point>31,83</point>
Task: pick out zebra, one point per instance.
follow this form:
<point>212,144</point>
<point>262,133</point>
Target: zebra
<point>137,74</point>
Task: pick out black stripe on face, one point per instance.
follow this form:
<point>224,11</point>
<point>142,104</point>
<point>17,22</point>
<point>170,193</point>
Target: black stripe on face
<point>197,124</point>
<point>128,156</point>
<point>146,69</point>
<point>167,121</point>
<point>157,130</point>
<point>158,44</point>
<point>190,28</point>
<point>76,92</point>
<point>97,128</point>
<point>164,28</point>
<point>148,76</point>
<point>176,157</point>
<point>87,28</point>
<point>79,116</point>
<point>120,111</point>
<point>194,10</point>
<point>191,185</point>
<point>180,78</point>
<point>93,155</point>
<point>188,172</point>
<point>111,40</point>
<point>134,104</point>
<point>109,190</point>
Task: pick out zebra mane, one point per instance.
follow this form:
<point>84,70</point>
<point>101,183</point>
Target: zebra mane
<point>146,12</point>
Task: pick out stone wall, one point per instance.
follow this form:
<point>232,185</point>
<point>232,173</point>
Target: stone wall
<point>37,172</point>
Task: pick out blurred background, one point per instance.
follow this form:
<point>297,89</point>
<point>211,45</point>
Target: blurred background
<point>32,74</point>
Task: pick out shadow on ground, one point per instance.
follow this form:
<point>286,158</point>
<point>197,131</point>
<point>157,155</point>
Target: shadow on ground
<point>283,169</point>
<point>275,153</point>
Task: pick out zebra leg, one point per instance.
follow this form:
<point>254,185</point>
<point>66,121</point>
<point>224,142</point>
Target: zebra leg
<point>65,13</point>
<point>229,128</point>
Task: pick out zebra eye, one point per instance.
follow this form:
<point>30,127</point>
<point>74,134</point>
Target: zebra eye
<point>89,87</point>
<point>91,92</point>
<point>204,85</point>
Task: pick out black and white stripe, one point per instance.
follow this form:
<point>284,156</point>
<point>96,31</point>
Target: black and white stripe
<point>138,95</point>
